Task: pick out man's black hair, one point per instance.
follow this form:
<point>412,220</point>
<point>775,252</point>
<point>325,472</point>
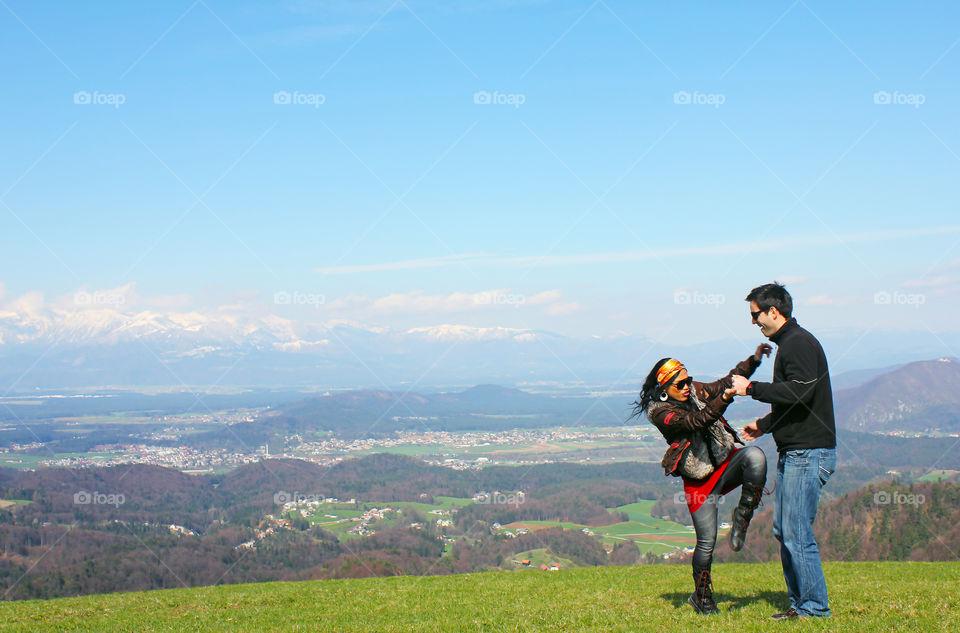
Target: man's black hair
<point>772,296</point>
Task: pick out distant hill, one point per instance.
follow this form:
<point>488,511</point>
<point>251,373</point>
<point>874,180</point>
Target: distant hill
<point>856,377</point>
<point>917,397</point>
<point>883,521</point>
<point>920,396</point>
<point>378,412</point>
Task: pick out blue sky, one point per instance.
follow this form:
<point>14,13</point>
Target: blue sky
<point>638,168</point>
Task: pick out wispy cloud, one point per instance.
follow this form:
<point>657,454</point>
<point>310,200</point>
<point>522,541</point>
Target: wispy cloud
<point>429,262</point>
<point>829,300</point>
<point>932,282</point>
<point>785,245</point>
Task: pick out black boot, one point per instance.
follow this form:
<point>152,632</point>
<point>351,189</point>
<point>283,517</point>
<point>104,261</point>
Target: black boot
<point>702,597</point>
<point>740,520</point>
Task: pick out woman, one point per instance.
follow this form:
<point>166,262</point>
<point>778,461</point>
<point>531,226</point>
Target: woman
<point>685,410</point>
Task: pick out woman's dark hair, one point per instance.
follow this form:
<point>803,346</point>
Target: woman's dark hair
<point>649,391</point>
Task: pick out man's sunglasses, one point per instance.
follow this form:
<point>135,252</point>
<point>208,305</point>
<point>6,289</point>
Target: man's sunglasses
<point>754,315</point>
<point>680,384</point>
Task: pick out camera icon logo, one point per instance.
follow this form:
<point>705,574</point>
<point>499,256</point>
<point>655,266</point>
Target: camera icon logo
<point>281,98</point>
<point>881,97</point>
<point>881,498</point>
<point>882,298</point>
<point>282,497</point>
<point>81,98</point>
<point>82,497</point>
<point>282,298</point>
<point>681,98</point>
<point>481,97</point>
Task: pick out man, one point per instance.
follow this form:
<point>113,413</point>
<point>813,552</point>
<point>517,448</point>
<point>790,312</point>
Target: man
<point>802,423</point>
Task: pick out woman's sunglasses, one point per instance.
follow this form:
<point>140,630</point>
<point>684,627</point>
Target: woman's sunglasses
<point>681,384</point>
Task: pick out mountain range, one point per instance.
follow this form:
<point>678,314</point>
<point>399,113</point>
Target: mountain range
<point>95,347</point>
<point>919,396</point>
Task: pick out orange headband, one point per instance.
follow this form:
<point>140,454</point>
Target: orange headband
<point>668,371</point>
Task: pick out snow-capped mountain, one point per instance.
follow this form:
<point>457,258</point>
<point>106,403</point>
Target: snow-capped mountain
<point>104,346</point>
<point>93,347</point>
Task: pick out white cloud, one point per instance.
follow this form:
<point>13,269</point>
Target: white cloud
<point>828,300</point>
<point>734,248</point>
<point>547,296</point>
<point>561,309</point>
<point>169,302</point>
<point>934,282</point>
<point>85,298</point>
<point>417,301</point>
<point>428,262</point>
<point>30,303</point>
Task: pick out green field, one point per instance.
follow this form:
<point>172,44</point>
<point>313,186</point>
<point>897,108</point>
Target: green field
<point>649,533</point>
<point>865,597</point>
<point>935,475</point>
<point>539,557</point>
<point>345,512</point>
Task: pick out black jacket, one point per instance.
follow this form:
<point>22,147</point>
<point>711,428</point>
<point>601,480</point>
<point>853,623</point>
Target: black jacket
<point>801,414</point>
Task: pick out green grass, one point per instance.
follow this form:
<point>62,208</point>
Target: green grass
<point>864,597</point>
<point>539,557</point>
<point>935,475</point>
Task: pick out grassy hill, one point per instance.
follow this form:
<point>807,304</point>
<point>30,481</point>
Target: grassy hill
<point>864,597</point>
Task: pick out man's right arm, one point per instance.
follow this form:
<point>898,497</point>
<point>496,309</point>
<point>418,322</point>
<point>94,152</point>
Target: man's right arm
<point>800,378</point>
<point>764,423</point>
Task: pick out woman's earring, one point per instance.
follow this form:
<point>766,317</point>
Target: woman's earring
<point>663,396</point>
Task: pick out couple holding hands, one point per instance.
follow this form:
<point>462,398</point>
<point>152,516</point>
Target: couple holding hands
<point>704,454</point>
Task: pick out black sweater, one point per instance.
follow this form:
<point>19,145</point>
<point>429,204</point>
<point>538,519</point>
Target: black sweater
<point>801,414</point>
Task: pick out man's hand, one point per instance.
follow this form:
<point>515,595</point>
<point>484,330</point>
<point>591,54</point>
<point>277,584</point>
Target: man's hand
<point>752,431</point>
<point>763,349</point>
<point>740,384</point>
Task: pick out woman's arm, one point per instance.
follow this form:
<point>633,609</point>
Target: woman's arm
<point>673,420</point>
<point>744,368</point>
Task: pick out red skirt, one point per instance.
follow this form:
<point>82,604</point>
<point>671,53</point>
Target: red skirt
<point>697,490</point>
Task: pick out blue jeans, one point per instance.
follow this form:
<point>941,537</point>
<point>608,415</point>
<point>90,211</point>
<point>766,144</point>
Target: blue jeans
<point>800,476</point>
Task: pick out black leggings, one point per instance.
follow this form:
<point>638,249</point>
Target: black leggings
<point>748,465</point>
